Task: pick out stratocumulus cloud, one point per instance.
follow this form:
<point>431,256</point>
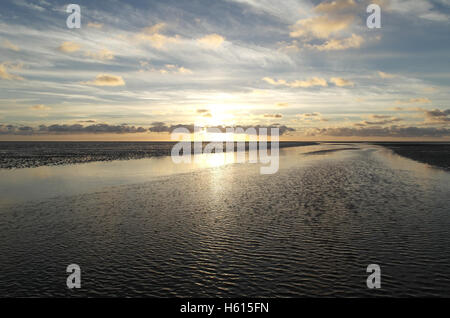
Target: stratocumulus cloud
<point>69,129</point>
<point>392,131</point>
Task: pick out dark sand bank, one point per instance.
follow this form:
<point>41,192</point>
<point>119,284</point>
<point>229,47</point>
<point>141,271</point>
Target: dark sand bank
<point>435,154</point>
<point>35,154</point>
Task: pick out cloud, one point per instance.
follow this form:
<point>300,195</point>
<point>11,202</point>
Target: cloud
<point>156,39</point>
<point>183,70</point>
<point>380,116</point>
<point>420,100</point>
<point>437,116</point>
<point>10,46</point>
<point>273,115</point>
<point>154,29</point>
<point>211,41</point>
<point>162,127</point>
<point>95,25</point>
<point>69,47</point>
<point>28,5</point>
<point>69,129</point>
<point>167,69</point>
<point>15,130</point>
<point>341,82</point>
<point>434,116</point>
<point>385,75</point>
<point>96,128</point>
<point>204,112</point>
<point>310,117</point>
<point>40,107</point>
<point>386,121</point>
<point>336,6</point>
<point>315,81</point>
<point>282,104</point>
<point>392,131</point>
<point>106,80</point>
<point>423,9</point>
<point>5,71</point>
<point>102,55</point>
<point>320,27</point>
<point>170,68</point>
<point>352,42</point>
<point>396,109</point>
<point>430,89</point>
<point>333,19</point>
<point>275,82</point>
<point>312,82</point>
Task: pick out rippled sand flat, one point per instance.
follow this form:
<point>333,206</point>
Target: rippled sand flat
<point>309,230</point>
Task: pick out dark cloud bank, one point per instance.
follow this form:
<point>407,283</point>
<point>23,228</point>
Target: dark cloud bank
<point>156,127</point>
<point>161,127</point>
<point>393,131</point>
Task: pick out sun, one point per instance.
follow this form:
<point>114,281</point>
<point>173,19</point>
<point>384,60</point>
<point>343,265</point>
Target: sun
<point>218,115</point>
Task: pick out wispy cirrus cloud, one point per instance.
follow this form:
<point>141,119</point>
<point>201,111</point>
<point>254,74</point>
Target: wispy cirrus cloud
<point>385,75</point>
<point>5,71</point>
<point>315,81</point>
<point>102,55</point>
<point>95,25</point>
<point>312,82</point>
<point>7,44</point>
<point>424,9</point>
<point>419,100</point>
<point>40,107</point>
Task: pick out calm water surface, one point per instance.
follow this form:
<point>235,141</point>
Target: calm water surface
<point>217,228</point>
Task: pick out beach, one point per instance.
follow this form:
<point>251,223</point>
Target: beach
<point>215,228</point>
<point>433,153</point>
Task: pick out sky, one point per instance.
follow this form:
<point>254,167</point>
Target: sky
<point>136,70</point>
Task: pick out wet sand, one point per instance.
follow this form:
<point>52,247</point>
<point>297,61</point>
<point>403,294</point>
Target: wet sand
<point>224,231</point>
<point>436,154</point>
